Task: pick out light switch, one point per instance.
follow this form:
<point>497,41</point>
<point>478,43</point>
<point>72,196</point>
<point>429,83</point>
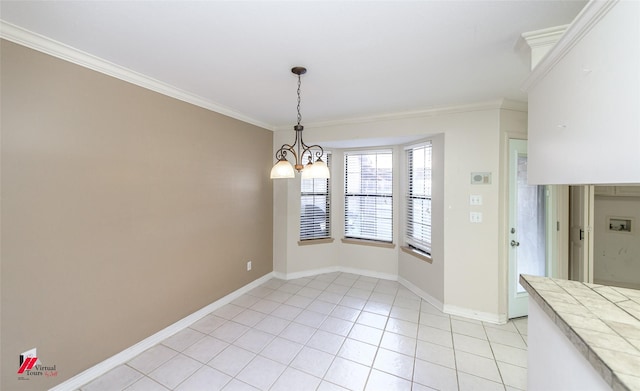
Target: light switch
<point>475,217</point>
<point>475,199</point>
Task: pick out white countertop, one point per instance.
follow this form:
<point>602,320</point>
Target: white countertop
<point>602,322</point>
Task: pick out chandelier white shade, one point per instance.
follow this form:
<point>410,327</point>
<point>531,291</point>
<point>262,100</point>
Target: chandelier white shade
<point>282,169</point>
<point>319,169</point>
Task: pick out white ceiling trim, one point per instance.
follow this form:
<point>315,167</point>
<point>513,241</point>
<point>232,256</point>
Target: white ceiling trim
<point>57,49</point>
<point>544,37</point>
<point>65,52</point>
<point>581,25</point>
<point>505,104</point>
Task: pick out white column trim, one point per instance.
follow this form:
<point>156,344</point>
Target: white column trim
<point>590,15</point>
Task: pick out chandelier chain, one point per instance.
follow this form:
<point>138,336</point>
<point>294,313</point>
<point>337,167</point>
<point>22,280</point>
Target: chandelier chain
<point>299,115</point>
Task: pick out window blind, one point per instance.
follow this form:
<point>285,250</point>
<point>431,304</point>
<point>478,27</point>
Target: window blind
<point>418,229</point>
<point>368,204</point>
<point>315,206</point>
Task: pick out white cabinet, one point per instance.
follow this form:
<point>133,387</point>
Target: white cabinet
<point>628,191</point>
<point>584,100</point>
<point>604,190</point>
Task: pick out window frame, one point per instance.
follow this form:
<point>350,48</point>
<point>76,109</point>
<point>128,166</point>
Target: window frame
<point>375,240</point>
<point>413,244</point>
<point>302,239</point>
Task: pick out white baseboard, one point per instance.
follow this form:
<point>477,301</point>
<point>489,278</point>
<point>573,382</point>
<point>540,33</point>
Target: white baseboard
<point>305,273</point>
<point>427,297</point>
<point>446,308</point>
<point>452,309</point>
<point>131,352</point>
<point>334,269</point>
<point>473,314</point>
<point>370,273</point>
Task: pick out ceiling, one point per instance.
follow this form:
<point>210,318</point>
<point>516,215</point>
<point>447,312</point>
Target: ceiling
<point>364,59</point>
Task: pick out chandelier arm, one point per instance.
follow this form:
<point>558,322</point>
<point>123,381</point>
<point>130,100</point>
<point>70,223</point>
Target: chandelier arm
<point>314,150</point>
<point>282,152</point>
<point>300,145</point>
<point>309,148</point>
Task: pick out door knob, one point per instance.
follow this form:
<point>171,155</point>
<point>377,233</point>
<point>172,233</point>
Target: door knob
<point>514,243</point>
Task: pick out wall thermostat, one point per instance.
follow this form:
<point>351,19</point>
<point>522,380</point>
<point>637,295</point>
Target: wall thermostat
<point>480,178</point>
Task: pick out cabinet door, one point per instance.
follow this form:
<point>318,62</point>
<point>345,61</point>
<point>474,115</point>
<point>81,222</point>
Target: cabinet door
<point>628,190</point>
<point>605,190</point>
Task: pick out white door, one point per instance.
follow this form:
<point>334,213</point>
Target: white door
<point>527,228</point>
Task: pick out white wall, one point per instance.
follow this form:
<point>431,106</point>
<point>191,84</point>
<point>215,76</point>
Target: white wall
<point>583,101</point>
<point>466,274</point>
<point>616,254</point>
<point>554,362</point>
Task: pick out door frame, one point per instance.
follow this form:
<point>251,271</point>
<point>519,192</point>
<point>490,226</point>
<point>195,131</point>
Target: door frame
<point>585,208</point>
<point>556,231</point>
<point>559,265</point>
<point>512,186</point>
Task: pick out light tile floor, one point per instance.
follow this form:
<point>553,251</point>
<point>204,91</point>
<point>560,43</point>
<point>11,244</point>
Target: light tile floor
<point>334,331</point>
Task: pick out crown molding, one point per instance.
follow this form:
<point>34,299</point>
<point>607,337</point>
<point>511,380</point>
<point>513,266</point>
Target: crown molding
<point>590,15</point>
<point>57,49</point>
<point>496,104</point>
<point>65,52</point>
<point>544,37</point>
<point>514,105</point>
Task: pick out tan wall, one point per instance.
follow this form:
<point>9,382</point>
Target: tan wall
<point>116,221</point>
<point>429,277</point>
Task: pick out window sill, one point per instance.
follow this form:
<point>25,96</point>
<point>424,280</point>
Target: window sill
<point>314,241</point>
<point>368,243</point>
<point>417,254</point>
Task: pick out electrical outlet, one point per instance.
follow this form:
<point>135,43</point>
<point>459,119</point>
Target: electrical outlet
<point>248,265</point>
<point>475,217</point>
<point>475,199</point>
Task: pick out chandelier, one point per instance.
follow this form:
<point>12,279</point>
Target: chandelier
<point>299,150</point>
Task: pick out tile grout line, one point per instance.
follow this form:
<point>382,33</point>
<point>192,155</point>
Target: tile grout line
<point>377,290</point>
<point>415,349</point>
<point>379,343</point>
<point>493,354</point>
<point>455,356</point>
<point>334,355</point>
<point>264,347</point>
